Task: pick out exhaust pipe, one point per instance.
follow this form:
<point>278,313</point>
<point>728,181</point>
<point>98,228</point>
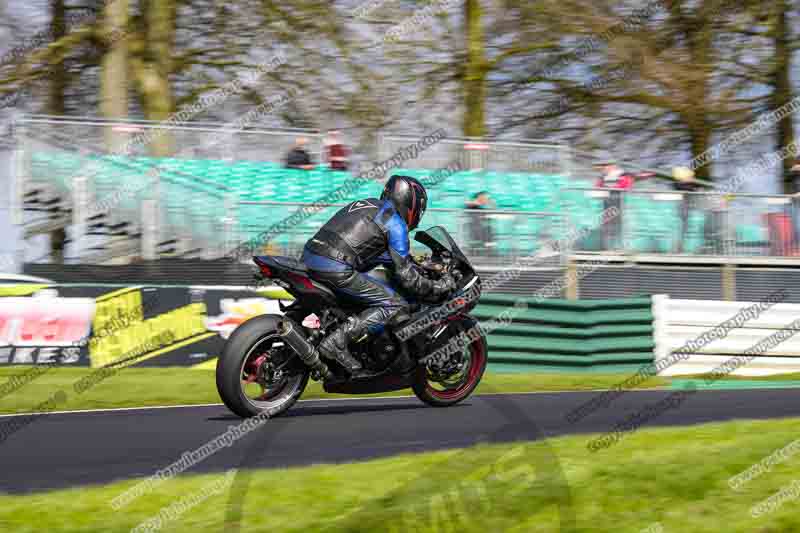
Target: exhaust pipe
<point>294,337</point>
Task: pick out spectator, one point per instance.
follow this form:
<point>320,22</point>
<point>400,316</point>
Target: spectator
<point>298,156</point>
<point>58,242</point>
<point>336,151</point>
<point>685,183</point>
<point>613,178</point>
<point>716,230</point>
<point>794,176</point>
<point>480,230</point>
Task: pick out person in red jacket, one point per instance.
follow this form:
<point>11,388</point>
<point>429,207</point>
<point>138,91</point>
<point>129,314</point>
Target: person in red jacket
<point>338,153</point>
<point>613,177</point>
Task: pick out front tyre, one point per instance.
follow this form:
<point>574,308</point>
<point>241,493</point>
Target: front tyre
<point>438,390</point>
<point>257,372</point>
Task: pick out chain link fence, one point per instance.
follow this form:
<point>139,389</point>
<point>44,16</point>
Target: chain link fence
<point>478,154</point>
<point>486,236</point>
<point>198,190</point>
<point>686,223</point>
<point>160,183</point>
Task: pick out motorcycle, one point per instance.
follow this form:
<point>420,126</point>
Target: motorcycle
<point>436,349</point>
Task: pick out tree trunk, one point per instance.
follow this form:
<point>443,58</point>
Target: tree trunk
<point>700,36</point>
<point>474,77</point>
<point>700,139</point>
<point>114,71</point>
<point>57,76</point>
<point>57,80</point>
<point>157,90</point>
<point>782,90</point>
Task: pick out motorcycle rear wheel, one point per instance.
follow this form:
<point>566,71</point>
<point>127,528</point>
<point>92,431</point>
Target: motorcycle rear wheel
<point>240,371</point>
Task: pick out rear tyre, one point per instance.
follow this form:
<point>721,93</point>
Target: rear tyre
<point>438,392</point>
<point>250,377</point>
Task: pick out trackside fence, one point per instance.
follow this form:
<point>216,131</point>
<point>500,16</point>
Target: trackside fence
<point>765,344</point>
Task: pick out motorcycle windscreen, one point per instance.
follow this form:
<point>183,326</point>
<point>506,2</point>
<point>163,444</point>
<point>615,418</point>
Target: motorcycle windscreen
<point>438,239</point>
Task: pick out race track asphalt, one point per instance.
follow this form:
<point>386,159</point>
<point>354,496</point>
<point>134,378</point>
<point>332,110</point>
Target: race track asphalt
<point>64,450</point>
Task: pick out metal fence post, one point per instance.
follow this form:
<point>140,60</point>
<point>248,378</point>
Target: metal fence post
<point>571,281</point>
<point>229,222</point>
<point>565,228</point>
<point>80,210</point>
<point>18,173</point>
<point>729,282</point>
<point>566,161</point>
<point>149,230</point>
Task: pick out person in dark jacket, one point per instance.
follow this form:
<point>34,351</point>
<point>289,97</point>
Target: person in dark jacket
<point>480,229</point>
<point>359,237</point>
<point>685,183</point>
<point>298,156</point>
<point>794,176</point>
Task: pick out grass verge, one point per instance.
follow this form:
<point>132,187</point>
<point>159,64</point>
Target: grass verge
<point>653,477</point>
<point>141,387</point>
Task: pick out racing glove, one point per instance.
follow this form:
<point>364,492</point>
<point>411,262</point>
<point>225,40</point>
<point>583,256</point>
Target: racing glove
<point>412,280</point>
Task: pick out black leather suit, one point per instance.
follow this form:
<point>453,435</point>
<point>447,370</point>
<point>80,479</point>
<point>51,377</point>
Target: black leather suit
<point>359,237</point>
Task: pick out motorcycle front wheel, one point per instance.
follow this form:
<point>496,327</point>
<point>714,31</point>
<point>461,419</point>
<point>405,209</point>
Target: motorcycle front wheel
<point>257,372</point>
<point>444,391</point>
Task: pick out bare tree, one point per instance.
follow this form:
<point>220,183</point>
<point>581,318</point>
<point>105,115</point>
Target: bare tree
<point>652,73</point>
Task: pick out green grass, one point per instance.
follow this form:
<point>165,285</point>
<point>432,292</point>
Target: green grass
<point>141,387</point>
<point>675,477</point>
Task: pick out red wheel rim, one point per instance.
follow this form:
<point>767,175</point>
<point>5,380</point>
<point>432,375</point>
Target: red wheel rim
<point>251,367</point>
<point>250,370</point>
<point>477,357</point>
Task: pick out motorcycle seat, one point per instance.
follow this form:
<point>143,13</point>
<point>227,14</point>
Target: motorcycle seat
<point>283,263</point>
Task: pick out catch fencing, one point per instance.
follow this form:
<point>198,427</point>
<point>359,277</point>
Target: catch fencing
<point>666,222</point>
<point>143,181</point>
<point>486,154</point>
<point>487,236</point>
<point>133,189</point>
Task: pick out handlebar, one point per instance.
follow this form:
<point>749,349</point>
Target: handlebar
<point>439,267</point>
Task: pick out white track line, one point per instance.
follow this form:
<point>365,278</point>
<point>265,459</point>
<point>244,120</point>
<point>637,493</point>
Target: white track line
<point>110,409</point>
<point>154,407</point>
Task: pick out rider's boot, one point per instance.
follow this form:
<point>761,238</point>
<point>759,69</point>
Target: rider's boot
<point>334,346</point>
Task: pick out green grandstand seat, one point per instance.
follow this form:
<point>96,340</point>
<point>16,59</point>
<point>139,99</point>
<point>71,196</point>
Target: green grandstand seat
<point>192,189</point>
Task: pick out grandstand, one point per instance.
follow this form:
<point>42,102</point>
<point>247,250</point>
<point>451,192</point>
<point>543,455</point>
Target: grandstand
<point>203,207</point>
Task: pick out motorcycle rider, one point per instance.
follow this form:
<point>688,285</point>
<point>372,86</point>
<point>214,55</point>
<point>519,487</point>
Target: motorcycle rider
<point>359,237</point>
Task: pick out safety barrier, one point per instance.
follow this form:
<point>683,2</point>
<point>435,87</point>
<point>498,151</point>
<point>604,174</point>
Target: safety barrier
<point>106,325</point>
<point>760,340</point>
<point>169,325</point>
<point>569,333</point>
<point>180,325</point>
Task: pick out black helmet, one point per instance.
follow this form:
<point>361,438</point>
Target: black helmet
<point>409,198</point>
